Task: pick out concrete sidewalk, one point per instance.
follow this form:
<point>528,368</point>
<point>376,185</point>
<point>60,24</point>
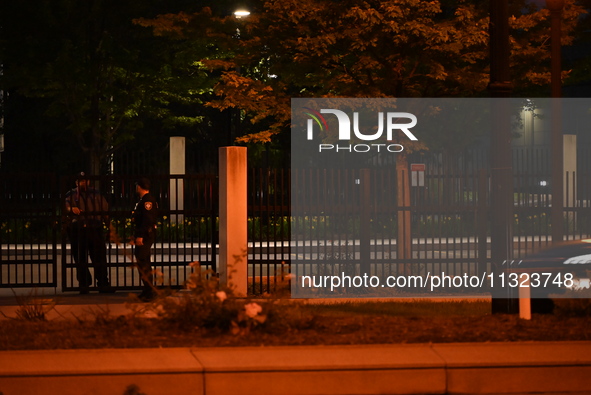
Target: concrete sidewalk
<point>481,368</point>
<point>70,305</point>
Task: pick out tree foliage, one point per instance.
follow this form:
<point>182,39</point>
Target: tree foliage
<point>97,69</point>
<point>353,48</point>
<point>117,70</point>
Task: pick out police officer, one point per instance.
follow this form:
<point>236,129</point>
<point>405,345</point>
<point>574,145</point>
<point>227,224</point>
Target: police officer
<point>144,217</point>
<point>87,211</point>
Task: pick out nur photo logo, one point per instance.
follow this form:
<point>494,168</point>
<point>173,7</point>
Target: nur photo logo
<point>387,122</point>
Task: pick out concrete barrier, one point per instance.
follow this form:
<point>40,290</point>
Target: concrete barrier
<point>470,368</point>
<point>78,372</point>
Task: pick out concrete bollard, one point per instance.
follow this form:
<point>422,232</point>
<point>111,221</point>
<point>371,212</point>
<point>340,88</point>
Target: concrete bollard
<point>233,265</point>
<point>525,300</point>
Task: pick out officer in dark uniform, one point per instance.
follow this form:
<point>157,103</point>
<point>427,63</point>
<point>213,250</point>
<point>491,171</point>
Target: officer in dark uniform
<point>87,212</point>
<point>144,217</point>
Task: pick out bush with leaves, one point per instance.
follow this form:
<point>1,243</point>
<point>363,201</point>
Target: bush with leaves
<point>206,304</point>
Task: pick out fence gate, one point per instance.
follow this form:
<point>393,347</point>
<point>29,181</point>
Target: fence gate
<point>29,229</point>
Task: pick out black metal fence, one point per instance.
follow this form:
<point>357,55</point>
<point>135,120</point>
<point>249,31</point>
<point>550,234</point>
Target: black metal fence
<point>354,217</point>
<point>269,228</point>
<point>386,221</point>
<point>358,221</point>
<point>36,251</point>
<point>28,230</point>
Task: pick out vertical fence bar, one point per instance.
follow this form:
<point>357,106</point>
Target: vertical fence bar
<point>364,219</point>
<point>482,220</point>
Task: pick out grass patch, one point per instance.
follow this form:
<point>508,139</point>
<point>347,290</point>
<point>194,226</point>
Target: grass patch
<point>289,323</point>
<point>413,308</point>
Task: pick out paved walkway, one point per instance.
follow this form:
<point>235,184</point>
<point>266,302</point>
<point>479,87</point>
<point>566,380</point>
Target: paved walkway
<point>66,305</point>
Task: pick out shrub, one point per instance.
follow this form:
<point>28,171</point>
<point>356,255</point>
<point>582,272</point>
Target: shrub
<point>205,304</point>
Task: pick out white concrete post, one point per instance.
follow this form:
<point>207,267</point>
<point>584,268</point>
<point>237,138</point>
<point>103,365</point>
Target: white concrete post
<point>233,265</point>
<point>524,299</point>
<point>570,168</point>
<point>570,179</point>
<point>177,167</point>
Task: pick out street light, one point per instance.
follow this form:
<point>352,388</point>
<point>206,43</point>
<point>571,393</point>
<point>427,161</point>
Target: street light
<point>241,13</point>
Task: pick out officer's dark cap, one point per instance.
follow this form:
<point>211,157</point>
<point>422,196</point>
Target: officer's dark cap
<point>143,183</point>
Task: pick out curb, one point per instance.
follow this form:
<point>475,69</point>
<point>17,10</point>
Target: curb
<point>458,368</point>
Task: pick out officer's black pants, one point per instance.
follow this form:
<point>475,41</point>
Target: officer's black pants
<point>89,241</point>
<point>144,261</point>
